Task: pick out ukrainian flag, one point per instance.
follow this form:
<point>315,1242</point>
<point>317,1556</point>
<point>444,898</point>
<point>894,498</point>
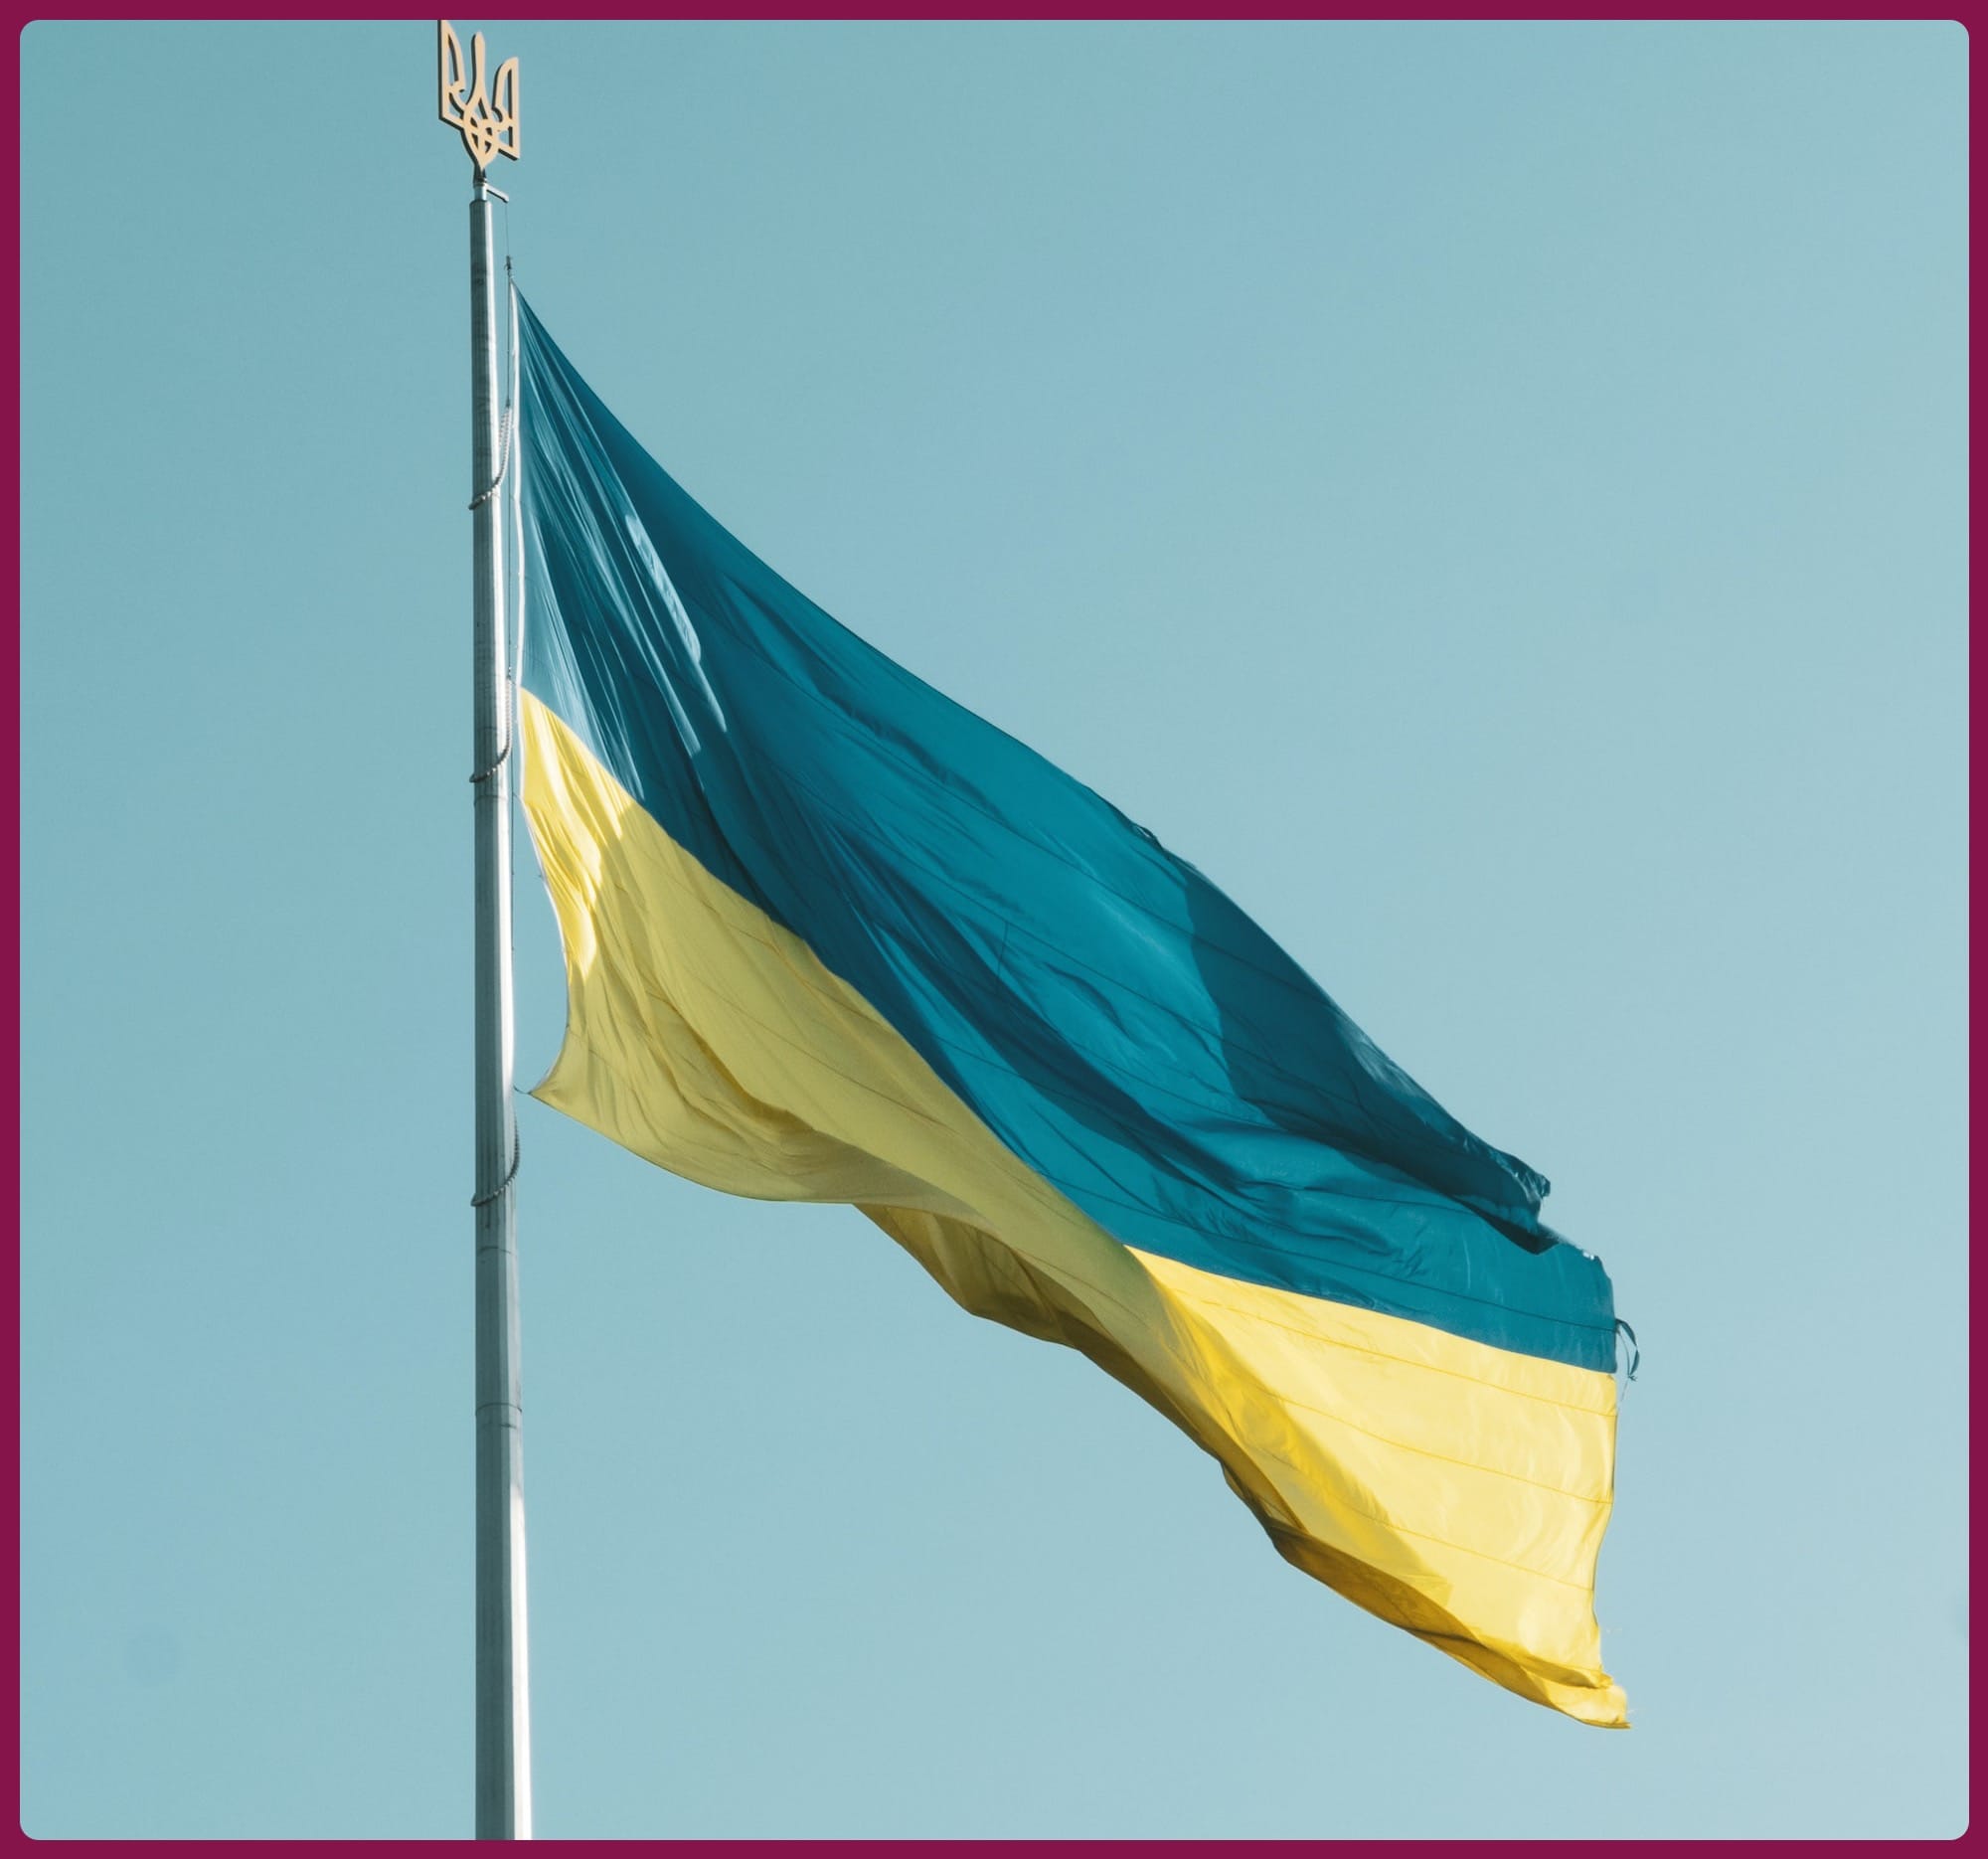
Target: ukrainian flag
<point>831,937</point>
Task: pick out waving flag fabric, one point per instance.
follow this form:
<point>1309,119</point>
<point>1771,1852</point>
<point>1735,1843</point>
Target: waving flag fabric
<point>830,936</point>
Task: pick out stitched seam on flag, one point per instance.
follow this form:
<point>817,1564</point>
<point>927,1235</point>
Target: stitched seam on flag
<point>1523,1568</point>
<point>1436,1197</point>
<point>1469,1464</point>
<point>1235,1431</point>
<point>1303,1474</point>
<point>1383,1355</point>
<point>1264,1246</point>
<point>1283,1252</point>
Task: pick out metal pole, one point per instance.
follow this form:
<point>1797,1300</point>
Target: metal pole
<point>503,1717</point>
<point>514,523</point>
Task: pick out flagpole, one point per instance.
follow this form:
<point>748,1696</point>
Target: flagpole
<point>487,115</point>
<point>503,1722</point>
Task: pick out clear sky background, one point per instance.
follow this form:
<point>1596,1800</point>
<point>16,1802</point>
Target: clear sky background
<point>1492,496</point>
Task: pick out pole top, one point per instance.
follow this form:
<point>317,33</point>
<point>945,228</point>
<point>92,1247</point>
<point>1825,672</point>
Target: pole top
<point>487,117</point>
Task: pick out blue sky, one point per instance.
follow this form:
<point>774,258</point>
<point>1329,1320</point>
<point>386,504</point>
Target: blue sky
<point>1492,496</point>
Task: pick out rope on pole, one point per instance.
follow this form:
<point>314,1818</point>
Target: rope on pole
<point>497,1193</point>
<point>503,460</point>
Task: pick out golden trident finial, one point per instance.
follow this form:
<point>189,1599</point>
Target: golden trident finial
<point>488,119</point>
